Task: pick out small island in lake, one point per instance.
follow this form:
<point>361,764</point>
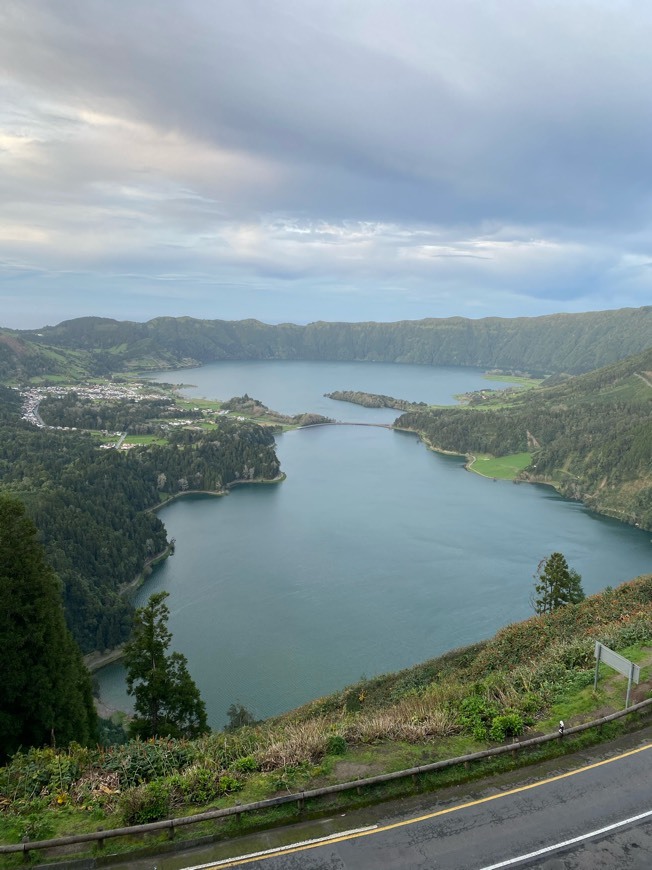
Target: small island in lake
<point>375,400</point>
<point>255,410</point>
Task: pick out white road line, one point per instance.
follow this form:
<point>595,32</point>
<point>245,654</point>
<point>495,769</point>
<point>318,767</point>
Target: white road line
<point>280,849</point>
<point>565,843</point>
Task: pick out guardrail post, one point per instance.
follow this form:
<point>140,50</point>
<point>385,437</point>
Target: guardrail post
<point>100,840</point>
<point>25,841</point>
<point>238,815</point>
<point>171,830</point>
<point>300,804</point>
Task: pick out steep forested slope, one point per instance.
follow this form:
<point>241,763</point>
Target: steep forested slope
<point>590,435</point>
<point>90,505</point>
<point>555,343</point>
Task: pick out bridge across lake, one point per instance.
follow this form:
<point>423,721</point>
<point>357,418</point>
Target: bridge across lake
<point>347,423</point>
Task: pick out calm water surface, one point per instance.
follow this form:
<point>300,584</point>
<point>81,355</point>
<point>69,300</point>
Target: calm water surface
<point>295,387</point>
<point>373,555</point>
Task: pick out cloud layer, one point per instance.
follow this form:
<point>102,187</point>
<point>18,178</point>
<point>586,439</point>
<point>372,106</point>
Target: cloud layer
<point>304,160</point>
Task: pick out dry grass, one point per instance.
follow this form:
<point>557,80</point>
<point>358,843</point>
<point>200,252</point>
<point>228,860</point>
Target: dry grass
<point>413,720</point>
<point>297,743</point>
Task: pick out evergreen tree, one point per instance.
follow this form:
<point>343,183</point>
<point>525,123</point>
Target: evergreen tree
<point>555,584</point>
<point>45,691</point>
<point>167,701</point>
<point>239,716</point>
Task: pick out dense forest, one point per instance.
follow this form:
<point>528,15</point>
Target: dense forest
<point>82,412</point>
<point>45,694</point>
<point>91,506</point>
<point>571,343</point>
<point>590,435</point>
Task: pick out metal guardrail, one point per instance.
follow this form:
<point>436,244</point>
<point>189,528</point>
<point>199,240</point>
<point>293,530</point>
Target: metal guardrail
<point>299,798</point>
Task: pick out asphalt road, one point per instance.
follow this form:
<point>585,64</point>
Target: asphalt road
<point>561,823</point>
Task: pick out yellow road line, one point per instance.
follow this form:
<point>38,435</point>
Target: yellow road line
<point>240,862</point>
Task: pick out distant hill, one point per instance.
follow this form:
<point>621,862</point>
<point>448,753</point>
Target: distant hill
<point>590,436</point>
<point>571,343</point>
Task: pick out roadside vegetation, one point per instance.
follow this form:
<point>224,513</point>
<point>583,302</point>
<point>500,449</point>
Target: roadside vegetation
<point>521,682</point>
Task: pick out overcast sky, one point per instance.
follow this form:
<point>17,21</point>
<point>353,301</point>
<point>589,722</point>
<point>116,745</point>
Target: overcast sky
<point>297,160</point>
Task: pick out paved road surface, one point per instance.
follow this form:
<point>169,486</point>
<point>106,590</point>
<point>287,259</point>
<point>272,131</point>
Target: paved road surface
<point>503,829</point>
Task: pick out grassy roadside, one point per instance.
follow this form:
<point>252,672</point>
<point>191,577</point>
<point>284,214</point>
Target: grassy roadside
<point>343,803</point>
<point>519,683</point>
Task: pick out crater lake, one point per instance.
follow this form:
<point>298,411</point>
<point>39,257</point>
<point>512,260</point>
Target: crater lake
<point>374,554</point>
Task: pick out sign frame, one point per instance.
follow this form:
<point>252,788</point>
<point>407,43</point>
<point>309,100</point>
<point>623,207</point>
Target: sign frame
<point>618,663</point>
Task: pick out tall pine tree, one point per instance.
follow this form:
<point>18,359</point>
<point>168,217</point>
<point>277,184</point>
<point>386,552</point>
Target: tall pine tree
<point>555,584</point>
<point>45,690</point>
<point>167,701</point>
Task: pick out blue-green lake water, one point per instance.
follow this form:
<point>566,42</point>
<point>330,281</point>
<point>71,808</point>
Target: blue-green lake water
<point>374,554</point>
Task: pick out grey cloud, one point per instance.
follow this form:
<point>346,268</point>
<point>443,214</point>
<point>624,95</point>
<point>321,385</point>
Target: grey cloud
<point>495,121</point>
<point>545,108</point>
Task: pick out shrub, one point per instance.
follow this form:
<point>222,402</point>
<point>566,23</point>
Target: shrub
<point>229,784</point>
<point>506,725</point>
<point>199,785</point>
<point>476,716</point>
<point>137,762</point>
<point>146,803</point>
<point>336,745</point>
<point>43,772</point>
<point>246,764</point>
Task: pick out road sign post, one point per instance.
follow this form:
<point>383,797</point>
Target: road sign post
<point>618,663</point>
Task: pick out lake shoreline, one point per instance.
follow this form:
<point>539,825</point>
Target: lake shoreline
<point>470,459</point>
<point>96,660</point>
<point>259,481</point>
<point>376,557</point>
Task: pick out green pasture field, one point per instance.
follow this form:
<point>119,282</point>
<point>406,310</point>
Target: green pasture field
<point>525,383</point>
<point>501,467</point>
<point>144,439</point>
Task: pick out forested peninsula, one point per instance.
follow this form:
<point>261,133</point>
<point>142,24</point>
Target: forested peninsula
<point>589,436</point>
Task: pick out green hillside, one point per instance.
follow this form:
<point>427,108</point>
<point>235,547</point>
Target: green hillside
<point>590,436</point>
<point>569,343</point>
<point>93,506</point>
<point>518,683</point>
